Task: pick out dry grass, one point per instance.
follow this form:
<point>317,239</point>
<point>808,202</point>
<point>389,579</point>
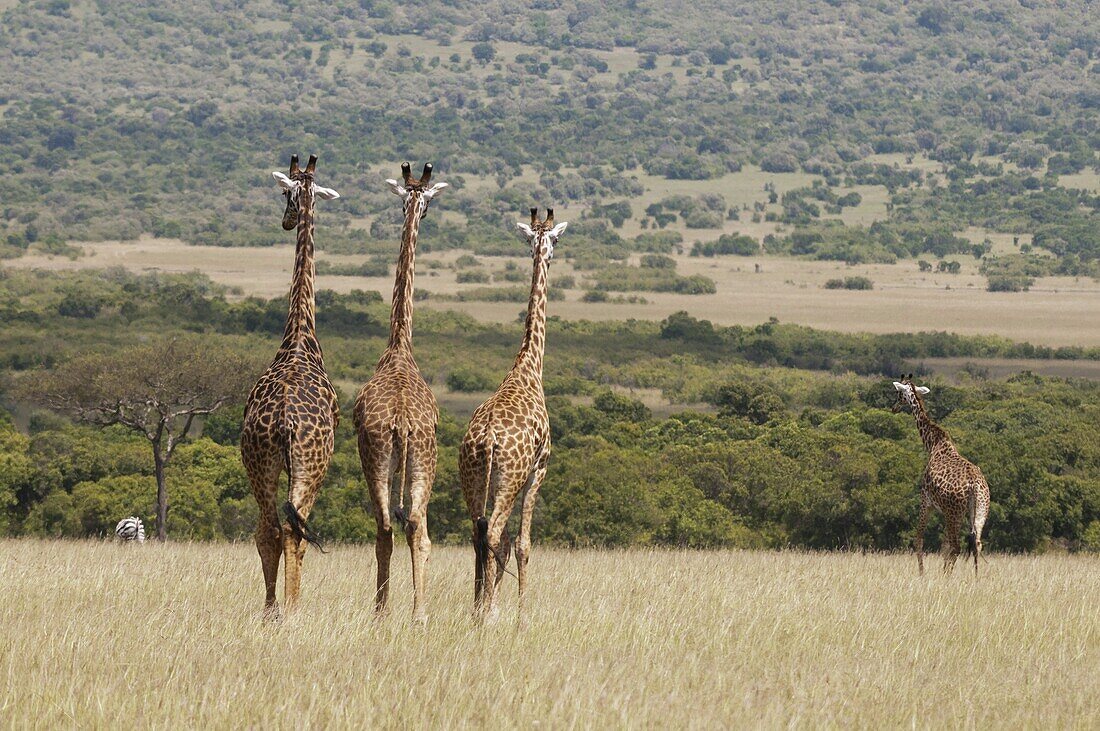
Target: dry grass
<point>1057,310</point>
<point>1005,367</point>
<point>98,634</point>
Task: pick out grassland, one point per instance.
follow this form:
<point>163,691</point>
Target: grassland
<point>100,634</point>
<point>1057,310</point>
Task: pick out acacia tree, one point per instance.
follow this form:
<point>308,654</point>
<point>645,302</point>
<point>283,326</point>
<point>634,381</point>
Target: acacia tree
<point>156,390</point>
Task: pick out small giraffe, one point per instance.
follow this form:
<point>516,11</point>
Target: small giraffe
<point>507,446</point>
<point>396,414</point>
<point>951,484</point>
<point>291,415</point>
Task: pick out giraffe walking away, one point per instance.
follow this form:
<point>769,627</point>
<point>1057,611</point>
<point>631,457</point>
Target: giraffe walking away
<point>396,415</point>
<point>951,484</point>
<point>291,414</point>
<point>506,449</point>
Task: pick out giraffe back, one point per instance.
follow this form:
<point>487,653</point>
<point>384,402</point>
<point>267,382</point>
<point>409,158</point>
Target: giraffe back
<point>395,398</point>
<point>293,400</point>
<point>951,480</point>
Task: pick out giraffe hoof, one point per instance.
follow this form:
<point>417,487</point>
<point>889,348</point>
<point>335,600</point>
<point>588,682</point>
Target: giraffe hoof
<point>272,613</point>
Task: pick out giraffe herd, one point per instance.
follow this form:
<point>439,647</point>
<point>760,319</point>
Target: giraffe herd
<point>292,413</point>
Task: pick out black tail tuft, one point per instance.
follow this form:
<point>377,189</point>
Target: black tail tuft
<point>400,516</point>
<point>300,528</point>
<point>481,543</point>
<point>971,544</point>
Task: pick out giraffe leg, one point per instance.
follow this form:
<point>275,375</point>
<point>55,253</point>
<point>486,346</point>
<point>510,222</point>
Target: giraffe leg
<point>496,562</point>
<point>981,512</point>
<point>302,497</point>
<point>922,525</point>
<point>264,480</point>
<point>292,567</point>
<point>951,543</point>
<point>268,539</point>
<point>475,463</point>
<point>383,540</point>
<point>416,534</point>
<point>523,540</point>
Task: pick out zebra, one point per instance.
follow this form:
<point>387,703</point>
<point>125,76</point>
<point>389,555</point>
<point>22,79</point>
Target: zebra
<point>130,529</point>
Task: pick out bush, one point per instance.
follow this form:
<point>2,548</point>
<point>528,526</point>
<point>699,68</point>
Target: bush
<point>467,380</point>
<point>656,261</point>
<point>736,244</point>
<point>699,218</point>
<point>850,283</point>
<point>1009,283</point>
<point>473,276</point>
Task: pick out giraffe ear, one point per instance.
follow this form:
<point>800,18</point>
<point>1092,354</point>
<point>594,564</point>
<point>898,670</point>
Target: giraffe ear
<point>557,231</point>
<point>434,190</point>
<point>396,187</point>
<point>327,194</point>
<point>900,386</point>
<point>284,182</point>
<point>922,390</point>
<point>527,230</point>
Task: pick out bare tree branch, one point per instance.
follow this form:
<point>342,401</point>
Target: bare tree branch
<point>156,390</point>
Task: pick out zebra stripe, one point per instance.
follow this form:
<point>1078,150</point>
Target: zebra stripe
<point>130,529</point>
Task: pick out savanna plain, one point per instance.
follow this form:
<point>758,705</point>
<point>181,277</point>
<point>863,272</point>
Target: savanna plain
<point>99,634</point>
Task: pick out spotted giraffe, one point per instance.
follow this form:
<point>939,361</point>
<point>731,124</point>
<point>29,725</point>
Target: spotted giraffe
<point>396,414</point>
<point>292,412</point>
<point>507,446</point>
<point>951,484</point>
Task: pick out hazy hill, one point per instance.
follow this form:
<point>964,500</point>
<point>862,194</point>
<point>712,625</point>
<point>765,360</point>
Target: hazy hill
<point>129,117</point>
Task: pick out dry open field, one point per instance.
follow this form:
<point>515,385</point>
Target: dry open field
<point>1057,310</point>
<point>101,635</point>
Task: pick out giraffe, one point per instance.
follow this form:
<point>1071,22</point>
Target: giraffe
<point>396,414</point>
<point>507,445</point>
<point>291,414</point>
<point>951,484</point>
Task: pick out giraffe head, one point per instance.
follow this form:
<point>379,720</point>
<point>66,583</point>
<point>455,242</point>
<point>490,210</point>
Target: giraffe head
<point>542,235</point>
<point>908,393</point>
<point>292,186</point>
<point>415,193</point>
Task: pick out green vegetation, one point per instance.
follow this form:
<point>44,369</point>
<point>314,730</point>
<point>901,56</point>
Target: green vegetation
<point>135,119</point>
<point>965,116</point>
<point>792,447</point>
<point>850,283</point>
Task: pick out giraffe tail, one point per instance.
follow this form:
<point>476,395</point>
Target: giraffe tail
<point>481,546</point>
<point>401,437</point>
<point>301,528</point>
<point>481,540</point>
<point>972,537</point>
<point>298,524</point>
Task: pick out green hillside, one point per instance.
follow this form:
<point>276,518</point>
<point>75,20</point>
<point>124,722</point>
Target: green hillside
<point>130,118</point>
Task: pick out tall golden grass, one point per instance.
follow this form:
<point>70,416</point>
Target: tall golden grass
<point>105,635</point>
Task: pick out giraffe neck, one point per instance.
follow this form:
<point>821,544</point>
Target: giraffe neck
<point>401,313</point>
<point>930,432</point>
<point>529,358</point>
<point>301,326</point>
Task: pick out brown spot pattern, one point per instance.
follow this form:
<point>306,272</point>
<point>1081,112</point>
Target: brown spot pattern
<point>951,484</point>
<point>506,449</point>
<point>290,418</point>
<point>395,420</point>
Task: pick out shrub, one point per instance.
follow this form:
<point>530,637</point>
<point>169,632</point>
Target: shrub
<point>736,244</point>
<point>850,283</point>
<point>1009,283</point>
<point>473,276</point>
<point>466,380</point>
